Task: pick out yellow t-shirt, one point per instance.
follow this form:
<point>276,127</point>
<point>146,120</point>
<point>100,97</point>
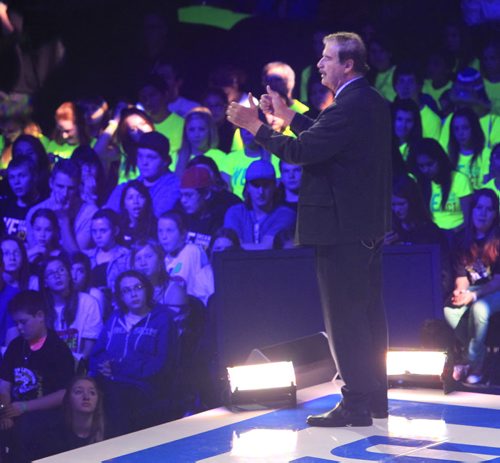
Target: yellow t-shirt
<point>431,123</point>
<point>304,82</point>
<point>65,150</point>
<point>435,93</point>
<point>452,215</point>
<point>172,127</point>
<point>218,156</point>
<point>383,83</point>
<point>477,170</point>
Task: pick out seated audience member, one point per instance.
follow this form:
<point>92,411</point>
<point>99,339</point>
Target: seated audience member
<point>153,162</point>
<point>477,286</point>
<point>16,270</point>
<point>290,179</point>
<point>34,374</point>
<point>281,78</point>
<point>199,138</point>
<point>137,218</point>
<point>46,236</point>
<point>108,258</point>
<point>319,97</point>
<point>81,276</point>
<point>466,147</point>
<point>69,132</point>
<point>154,97</point>
<point>215,100</point>
<point>134,358</point>
<point>406,125</point>
<point>81,422</point>
<point>411,219</point>
<point>231,80</point>
<point>468,92</point>
<point>75,316</point>
<point>21,175</point>
<point>260,217</point>
<point>238,161</point>
<point>407,83</point>
<point>117,145</point>
<point>93,187</point>
<point>224,239</point>
<point>73,214</point>
<point>494,174</point>
<point>176,102</point>
<point>95,113</point>
<point>32,148</point>
<point>440,75</point>
<point>310,71</point>
<point>380,60</point>
<point>446,191</point>
<point>7,292</point>
<point>148,258</point>
<point>184,261</point>
<point>202,212</point>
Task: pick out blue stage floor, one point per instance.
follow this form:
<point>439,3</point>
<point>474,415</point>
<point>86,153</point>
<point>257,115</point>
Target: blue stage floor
<point>424,426</point>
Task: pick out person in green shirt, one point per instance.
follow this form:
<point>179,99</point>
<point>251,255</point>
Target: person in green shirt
<point>440,75</point>
<point>199,138</point>
<point>406,125</point>
<point>446,191</point>
<point>407,83</point>
<point>69,131</point>
<point>380,60</point>
<point>466,147</point>
<point>154,96</point>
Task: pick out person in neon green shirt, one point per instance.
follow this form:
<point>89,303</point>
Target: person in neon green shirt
<point>408,82</point>
<point>440,71</point>
<point>380,59</point>
<point>154,97</point>
<point>447,191</point>
<point>406,125</point>
<point>69,131</point>
<point>237,162</point>
<point>200,138</point>
<point>466,147</point>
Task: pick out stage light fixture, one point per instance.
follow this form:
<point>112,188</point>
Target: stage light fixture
<point>271,384</point>
<point>415,367</point>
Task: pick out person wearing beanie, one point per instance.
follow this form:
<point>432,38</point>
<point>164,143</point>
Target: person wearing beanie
<point>203,214</point>
<point>153,162</point>
<point>260,217</point>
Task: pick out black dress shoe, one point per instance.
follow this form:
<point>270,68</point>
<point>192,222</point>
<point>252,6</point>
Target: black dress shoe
<point>340,417</point>
<point>379,414</point>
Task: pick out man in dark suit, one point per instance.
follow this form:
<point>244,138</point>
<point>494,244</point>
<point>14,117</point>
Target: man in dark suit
<point>343,211</point>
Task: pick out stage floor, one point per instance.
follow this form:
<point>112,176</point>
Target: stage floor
<point>424,426</point>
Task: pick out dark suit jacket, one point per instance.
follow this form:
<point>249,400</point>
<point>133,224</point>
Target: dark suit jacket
<point>346,155</point>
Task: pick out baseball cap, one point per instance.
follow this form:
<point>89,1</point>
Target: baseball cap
<point>260,170</point>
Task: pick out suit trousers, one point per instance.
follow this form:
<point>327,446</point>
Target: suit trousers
<point>350,284</point>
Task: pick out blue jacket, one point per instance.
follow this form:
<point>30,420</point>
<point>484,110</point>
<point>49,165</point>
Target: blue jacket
<point>144,356</point>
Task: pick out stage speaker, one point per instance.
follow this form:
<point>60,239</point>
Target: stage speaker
<point>311,357</point>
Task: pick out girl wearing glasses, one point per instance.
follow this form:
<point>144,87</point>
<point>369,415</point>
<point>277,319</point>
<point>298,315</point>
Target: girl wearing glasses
<point>134,357</point>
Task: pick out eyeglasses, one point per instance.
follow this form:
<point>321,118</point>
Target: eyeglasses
<point>128,290</point>
<point>60,271</point>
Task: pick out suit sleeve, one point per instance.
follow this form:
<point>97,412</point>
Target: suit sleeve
<point>328,136</point>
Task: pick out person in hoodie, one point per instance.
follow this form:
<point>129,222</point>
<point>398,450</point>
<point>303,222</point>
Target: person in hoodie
<point>134,357</point>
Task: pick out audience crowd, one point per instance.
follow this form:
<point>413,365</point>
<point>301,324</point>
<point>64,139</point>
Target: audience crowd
<point>109,225</point>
